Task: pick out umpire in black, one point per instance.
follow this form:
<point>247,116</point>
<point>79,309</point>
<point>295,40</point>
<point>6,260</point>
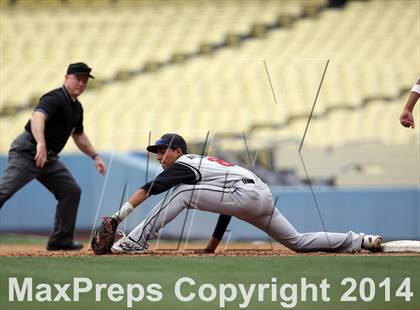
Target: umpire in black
<point>34,153</point>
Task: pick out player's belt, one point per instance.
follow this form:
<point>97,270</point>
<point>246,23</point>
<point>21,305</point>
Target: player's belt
<point>248,181</point>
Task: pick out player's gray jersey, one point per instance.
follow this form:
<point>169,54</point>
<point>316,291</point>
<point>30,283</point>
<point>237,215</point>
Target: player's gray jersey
<point>216,172</point>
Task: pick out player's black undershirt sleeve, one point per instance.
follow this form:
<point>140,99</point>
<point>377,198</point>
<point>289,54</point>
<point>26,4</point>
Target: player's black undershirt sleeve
<point>221,226</point>
<point>174,175</point>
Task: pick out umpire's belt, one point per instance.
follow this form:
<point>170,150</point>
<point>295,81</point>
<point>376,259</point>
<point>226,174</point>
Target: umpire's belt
<point>248,181</point>
<point>52,154</point>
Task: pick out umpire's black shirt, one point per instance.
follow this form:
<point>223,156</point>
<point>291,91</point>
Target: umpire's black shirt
<point>63,115</point>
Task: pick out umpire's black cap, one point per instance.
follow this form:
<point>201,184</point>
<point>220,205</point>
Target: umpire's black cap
<point>171,140</point>
<point>79,68</point>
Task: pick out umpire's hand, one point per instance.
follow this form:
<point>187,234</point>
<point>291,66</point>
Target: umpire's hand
<point>41,155</point>
<point>100,165</point>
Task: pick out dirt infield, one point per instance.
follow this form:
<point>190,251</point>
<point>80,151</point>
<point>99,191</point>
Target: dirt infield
<point>193,249</point>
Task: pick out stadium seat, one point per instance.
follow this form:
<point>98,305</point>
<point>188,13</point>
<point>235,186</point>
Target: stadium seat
<point>228,90</point>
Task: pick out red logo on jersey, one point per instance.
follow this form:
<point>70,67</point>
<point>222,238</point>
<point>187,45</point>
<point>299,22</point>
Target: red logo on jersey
<point>220,161</point>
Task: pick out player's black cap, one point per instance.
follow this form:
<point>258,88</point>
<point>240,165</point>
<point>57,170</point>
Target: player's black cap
<point>171,140</point>
<point>79,68</point>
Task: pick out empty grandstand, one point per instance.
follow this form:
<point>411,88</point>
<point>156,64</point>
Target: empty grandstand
<point>247,71</point>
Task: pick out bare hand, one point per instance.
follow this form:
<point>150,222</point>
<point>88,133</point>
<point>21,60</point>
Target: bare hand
<point>203,251</point>
<point>406,119</point>
<point>207,250</point>
<point>100,165</point>
<point>212,245</point>
<point>41,155</point>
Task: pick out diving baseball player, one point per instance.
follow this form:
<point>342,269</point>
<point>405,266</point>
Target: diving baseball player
<point>213,185</point>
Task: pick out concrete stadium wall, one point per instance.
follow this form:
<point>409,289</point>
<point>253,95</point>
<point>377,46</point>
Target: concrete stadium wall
<point>392,212</point>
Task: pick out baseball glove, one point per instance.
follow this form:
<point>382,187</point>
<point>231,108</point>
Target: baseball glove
<point>103,236</point>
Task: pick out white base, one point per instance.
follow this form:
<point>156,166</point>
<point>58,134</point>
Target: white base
<point>401,246</point>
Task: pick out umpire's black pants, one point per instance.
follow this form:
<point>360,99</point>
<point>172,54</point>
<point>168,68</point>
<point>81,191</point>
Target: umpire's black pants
<point>22,169</point>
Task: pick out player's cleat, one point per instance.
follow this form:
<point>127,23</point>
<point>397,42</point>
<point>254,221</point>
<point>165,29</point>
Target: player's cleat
<point>126,245</point>
<point>372,242</point>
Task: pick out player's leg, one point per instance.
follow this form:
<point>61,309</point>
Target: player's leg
<point>20,170</point>
<point>254,204</point>
<point>279,228</point>
<point>162,213</point>
<point>58,180</point>
<point>212,199</point>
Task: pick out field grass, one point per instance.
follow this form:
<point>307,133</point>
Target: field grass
<point>215,270</point>
<point>22,239</point>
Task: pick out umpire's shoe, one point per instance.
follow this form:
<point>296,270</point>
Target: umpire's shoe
<point>75,246</point>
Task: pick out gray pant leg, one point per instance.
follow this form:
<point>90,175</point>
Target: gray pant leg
<point>20,169</point>
<point>58,180</point>
<point>258,209</point>
<point>279,228</point>
<point>211,199</point>
<point>161,214</point>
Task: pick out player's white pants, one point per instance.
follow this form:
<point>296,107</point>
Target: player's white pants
<point>252,203</point>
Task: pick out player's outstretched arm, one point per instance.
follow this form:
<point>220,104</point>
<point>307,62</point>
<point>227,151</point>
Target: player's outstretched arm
<point>136,199</point>
<point>218,233</point>
<point>104,235</point>
<point>174,175</point>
